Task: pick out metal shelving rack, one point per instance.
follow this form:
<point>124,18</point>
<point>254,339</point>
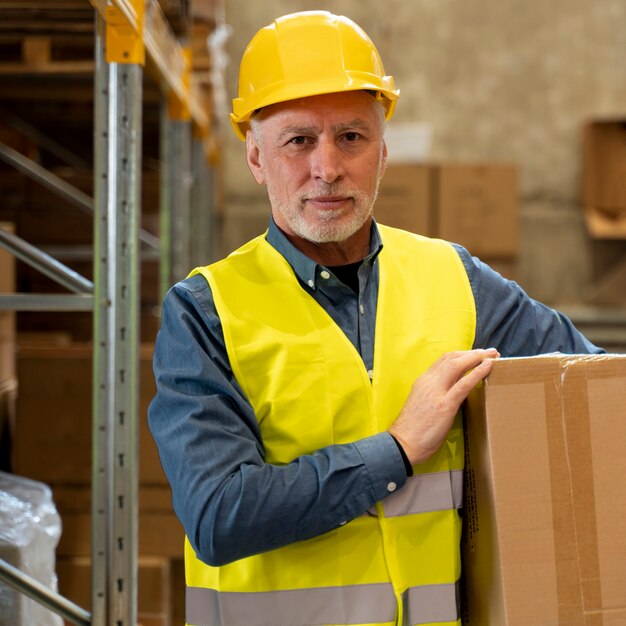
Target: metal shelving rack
<point>126,31</point>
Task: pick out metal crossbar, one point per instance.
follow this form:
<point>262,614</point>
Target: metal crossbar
<point>44,596</point>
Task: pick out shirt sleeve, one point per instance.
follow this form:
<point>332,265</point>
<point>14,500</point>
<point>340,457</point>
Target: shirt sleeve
<point>230,502</point>
<point>513,322</point>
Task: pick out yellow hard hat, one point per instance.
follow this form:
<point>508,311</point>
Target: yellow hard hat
<point>308,54</point>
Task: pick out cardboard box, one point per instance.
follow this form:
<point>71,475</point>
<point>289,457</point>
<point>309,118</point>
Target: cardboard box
<point>54,415</point>
<point>604,178</point>
<point>607,291</point>
<point>476,205</point>
<point>160,533</point>
<point>145,619</point>
<point>177,569</point>
<point>8,399</point>
<point>7,346</point>
<point>404,198</point>
<point>153,583</point>
<point>7,263</point>
<point>509,268</point>
<point>545,504</point>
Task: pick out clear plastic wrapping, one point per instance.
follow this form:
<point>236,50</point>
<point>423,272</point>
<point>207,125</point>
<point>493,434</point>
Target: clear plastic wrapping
<point>30,528</point>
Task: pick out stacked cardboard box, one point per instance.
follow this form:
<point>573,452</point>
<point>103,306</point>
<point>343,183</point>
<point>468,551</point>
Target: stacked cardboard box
<point>604,178</point>
<point>545,502</point>
<point>604,202</point>
<point>49,222</point>
<point>475,205</point>
<point>58,451</point>
<point>153,584</point>
<point>52,443</point>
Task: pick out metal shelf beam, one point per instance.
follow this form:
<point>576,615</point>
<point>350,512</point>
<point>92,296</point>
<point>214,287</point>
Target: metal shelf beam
<point>45,302</point>
<point>47,179</point>
<point>74,196</point>
<point>44,596</point>
<point>44,263</point>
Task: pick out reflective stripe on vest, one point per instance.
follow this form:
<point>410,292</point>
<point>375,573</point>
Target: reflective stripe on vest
<point>430,604</point>
<point>426,492</point>
<point>359,604</point>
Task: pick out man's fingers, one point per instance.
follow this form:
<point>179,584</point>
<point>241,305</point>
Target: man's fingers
<point>435,398</point>
<point>457,364</point>
<point>471,378</point>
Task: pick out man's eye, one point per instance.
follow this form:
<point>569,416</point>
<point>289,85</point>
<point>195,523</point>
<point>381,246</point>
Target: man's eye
<point>298,141</point>
<point>352,136</point>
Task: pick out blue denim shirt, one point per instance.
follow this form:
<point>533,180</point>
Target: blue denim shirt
<point>230,502</point>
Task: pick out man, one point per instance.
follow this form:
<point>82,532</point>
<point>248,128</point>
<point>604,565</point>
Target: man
<point>309,385</point>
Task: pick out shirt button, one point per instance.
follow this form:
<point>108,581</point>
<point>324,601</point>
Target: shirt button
<point>310,283</point>
<point>370,373</point>
<point>361,309</point>
<point>325,274</point>
<point>391,486</point>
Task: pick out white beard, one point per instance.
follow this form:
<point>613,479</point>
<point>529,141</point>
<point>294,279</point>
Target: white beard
<point>330,226</point>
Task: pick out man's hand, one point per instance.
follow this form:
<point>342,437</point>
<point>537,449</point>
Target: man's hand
<point>435,398</point>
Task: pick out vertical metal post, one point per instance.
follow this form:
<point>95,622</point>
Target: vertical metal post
<point>118,99</point>
<point>202,207</point>
<point>178,162</point>
<point>214,213</point>
<point>165,216</point>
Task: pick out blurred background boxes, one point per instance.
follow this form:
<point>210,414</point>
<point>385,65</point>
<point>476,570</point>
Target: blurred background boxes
<point>52,442</point>
<point>160,533</point>
<point>59,450</point>
<point>604,178</point>
<point>404,198</point>
<point>153,586</point>
<point>604,205</point>
<point>478,206</point>
<point>475,205</point>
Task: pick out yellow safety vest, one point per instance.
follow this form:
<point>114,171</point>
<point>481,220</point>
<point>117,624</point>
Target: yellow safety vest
<point>399,564</point>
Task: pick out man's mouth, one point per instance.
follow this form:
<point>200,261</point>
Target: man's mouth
<point>328,202</point>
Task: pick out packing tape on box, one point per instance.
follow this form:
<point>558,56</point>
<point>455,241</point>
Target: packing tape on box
<point>576,379</point>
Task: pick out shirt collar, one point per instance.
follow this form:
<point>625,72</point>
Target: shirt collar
<point>305,268</point>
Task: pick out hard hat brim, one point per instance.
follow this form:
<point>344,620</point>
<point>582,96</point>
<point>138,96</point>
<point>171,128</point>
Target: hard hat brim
<point>241,115</point>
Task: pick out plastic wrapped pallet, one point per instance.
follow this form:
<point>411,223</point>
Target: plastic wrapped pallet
<point>30,528</point>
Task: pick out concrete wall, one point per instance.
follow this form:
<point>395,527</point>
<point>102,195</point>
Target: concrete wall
<point>511,80</point>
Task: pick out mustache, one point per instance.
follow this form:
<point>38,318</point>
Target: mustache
<point>333,190</point>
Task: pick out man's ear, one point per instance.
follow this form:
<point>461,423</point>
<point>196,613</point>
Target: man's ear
<point>253,158</point>
<point>383,162</point>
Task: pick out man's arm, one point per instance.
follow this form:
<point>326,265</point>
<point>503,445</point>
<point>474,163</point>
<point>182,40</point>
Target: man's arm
<point>231,503</point>
<point>514,323</point>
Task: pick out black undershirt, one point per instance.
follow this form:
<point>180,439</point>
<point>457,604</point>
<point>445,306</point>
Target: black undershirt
<point>348,274</point>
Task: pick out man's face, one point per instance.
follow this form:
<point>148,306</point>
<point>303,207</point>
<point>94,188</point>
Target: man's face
<point>321,159</point>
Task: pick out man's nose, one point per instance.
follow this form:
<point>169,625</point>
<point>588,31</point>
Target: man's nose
<point>327,162</point>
